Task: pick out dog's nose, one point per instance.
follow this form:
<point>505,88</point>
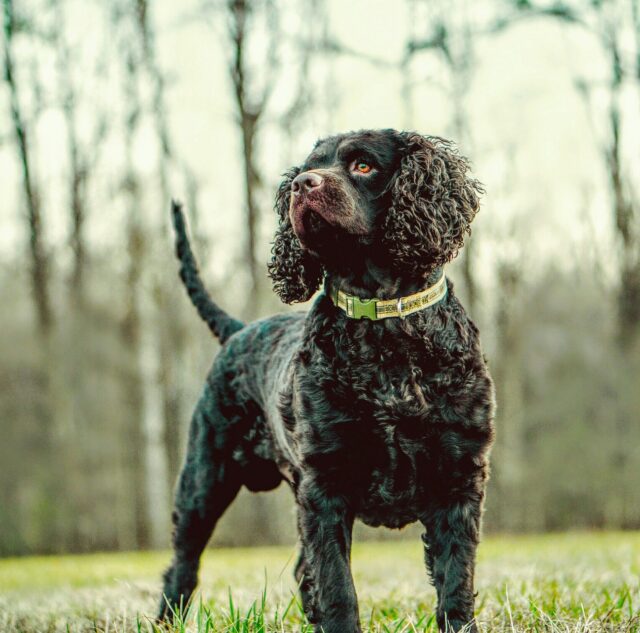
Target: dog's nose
<point>306,181</point>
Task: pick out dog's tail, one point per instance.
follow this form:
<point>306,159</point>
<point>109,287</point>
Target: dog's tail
<point>220,323</point>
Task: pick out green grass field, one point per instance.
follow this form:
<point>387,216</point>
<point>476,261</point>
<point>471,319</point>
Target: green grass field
<point>560,583</point>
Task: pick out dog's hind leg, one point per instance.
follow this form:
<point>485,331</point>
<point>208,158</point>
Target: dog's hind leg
<point>209,482</point>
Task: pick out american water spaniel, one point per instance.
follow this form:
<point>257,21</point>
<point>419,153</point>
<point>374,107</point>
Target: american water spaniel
<point>376,403</point>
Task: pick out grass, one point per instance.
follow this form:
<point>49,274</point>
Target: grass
<point>570,583</point>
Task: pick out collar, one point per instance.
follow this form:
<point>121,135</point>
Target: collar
<point>377,309</point>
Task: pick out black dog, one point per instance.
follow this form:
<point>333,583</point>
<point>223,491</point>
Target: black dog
<point>375,404</point>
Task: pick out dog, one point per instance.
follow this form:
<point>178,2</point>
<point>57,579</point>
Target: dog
<point>375,404</point>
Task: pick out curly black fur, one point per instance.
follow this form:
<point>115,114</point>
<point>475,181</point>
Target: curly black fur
<point>387,421</point>
<point>434,203</point>
<point>296,273</point>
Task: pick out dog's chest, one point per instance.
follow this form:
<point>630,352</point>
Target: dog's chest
<point>390,385</point>
<point>399,448</point>
<point>389,417</point>
<point>397,464</point>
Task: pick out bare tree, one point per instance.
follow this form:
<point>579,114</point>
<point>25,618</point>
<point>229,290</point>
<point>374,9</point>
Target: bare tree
<point>140,327</point>
<point>172,361</point>
<point>609,24</point>
<point>83,156</point>
<point>56,413</point>
<point>510,448</point>
<point>251,102</point>
<point>615,28</point>
<point>130,326</point>
<point>31,195</point>
<point>159,111</point>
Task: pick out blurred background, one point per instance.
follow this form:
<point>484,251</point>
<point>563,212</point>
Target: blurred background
<point>110,108</point>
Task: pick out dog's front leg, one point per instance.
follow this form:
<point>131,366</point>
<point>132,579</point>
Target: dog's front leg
<point>326,524</point>
<point>450,543</point>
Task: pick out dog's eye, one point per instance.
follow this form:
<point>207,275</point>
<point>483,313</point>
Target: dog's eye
<point>361,167</point>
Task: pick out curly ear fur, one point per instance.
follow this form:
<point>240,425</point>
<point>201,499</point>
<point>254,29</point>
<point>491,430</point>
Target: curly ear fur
<point>296,274</point>
<point>433,204</point>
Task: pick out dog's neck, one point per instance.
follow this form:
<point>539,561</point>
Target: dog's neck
<point>371,281</point>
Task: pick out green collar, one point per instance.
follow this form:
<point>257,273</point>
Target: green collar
<point>377,309</point>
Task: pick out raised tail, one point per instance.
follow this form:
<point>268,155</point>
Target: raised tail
<point>220,323</point>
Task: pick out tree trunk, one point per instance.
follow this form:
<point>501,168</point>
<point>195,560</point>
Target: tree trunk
<point>171,353</point>
<point>133,438</point>
<point>53,511</point>
<point>157,477</point>
<point>248,118</point>
<point>39,260</point>
<point>510,441</point>
<point>625,216</point>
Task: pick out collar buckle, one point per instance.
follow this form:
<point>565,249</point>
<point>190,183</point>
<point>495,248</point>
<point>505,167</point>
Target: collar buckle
<point>376,309</point>
<point>364,309</point>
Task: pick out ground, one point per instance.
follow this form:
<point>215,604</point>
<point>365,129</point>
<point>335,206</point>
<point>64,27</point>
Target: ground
<point>565,583</point>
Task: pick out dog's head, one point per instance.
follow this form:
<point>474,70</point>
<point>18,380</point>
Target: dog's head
<point>399,199</point>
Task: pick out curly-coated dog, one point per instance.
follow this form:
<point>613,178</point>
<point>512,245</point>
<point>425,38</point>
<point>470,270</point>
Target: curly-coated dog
<point>376,403</point>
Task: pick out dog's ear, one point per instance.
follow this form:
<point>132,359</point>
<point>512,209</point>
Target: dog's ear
<point>296,273</point>
<point>433,202</point>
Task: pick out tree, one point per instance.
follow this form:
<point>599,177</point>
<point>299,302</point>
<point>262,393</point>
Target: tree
<point>615,28</point>
<point>140,326</point>
<point>83,156</point>
<point>251,102</point>
<point>168,337</point>
<point>508,374</point>
<point>39,271</point>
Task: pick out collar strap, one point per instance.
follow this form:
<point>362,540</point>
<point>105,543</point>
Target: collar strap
<point>377,309</point>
